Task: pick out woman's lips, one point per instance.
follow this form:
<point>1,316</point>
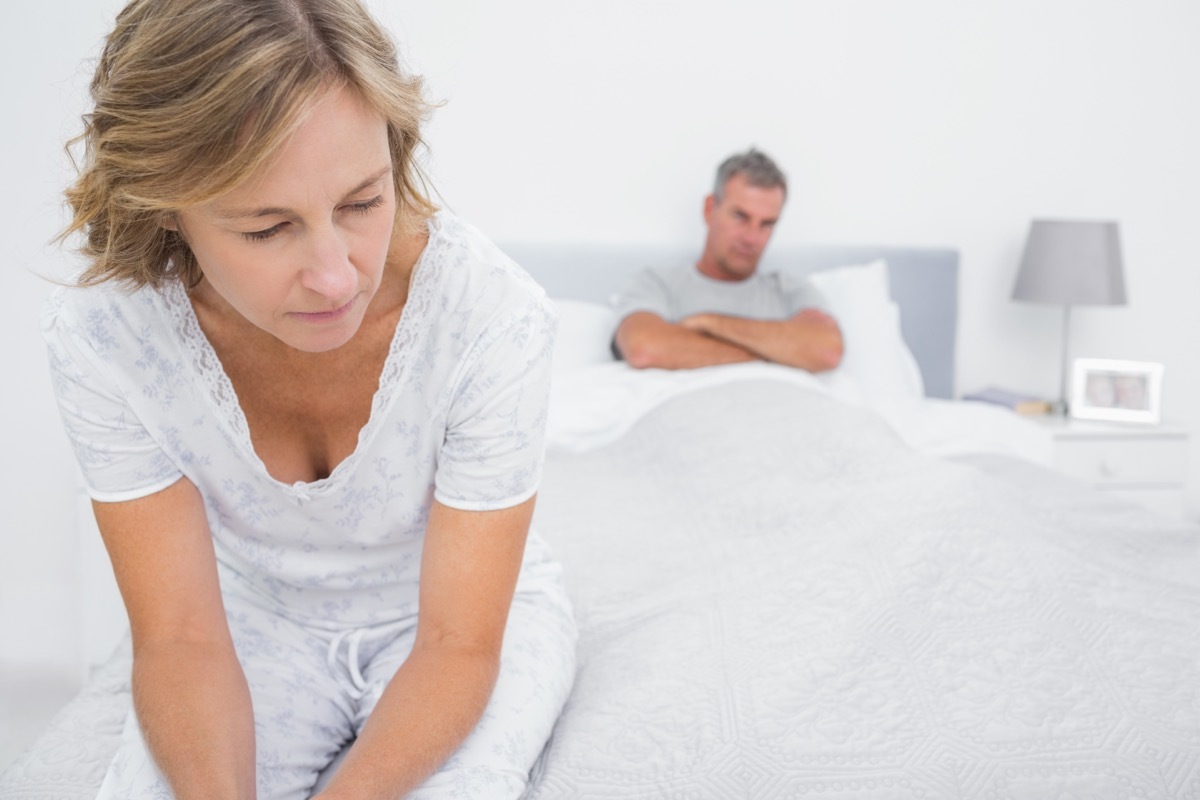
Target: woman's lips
<point>320,317</point>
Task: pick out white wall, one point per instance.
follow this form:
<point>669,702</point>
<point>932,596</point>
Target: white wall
<point>43,80</point>
<point>925,122</point>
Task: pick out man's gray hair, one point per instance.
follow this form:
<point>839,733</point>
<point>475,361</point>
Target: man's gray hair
<point>755,166</point>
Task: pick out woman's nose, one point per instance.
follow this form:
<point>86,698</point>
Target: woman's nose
<point>330,272</point>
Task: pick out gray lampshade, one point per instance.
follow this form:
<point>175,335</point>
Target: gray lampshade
<point>1072,263</point>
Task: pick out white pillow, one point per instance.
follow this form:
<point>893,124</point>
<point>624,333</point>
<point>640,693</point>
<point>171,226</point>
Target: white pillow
<point>875,356</point>
<point>585,332</point>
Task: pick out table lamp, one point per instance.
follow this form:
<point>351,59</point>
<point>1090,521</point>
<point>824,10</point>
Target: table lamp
<point>1071,263</point>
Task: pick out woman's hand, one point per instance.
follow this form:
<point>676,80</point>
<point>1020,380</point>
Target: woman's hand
<point>189,691</point>
<point>469,571</point>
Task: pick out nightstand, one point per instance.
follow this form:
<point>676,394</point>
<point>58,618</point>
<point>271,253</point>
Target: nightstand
<point>1144,463</point>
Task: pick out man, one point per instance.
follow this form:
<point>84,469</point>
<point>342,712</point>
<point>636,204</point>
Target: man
<point>722,310</point>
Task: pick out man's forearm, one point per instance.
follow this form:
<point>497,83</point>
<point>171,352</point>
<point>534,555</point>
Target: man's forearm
<point>767,339</point>
<point>813,343</point>
<point>194,709</point>
<point>663,345</point>
<point>701,350</point>
<point>431,705</point>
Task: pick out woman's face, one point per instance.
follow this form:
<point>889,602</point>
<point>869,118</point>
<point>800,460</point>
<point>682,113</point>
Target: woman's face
<point>299,250</point>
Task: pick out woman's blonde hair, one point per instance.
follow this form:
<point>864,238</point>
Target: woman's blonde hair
<point>191,97</point>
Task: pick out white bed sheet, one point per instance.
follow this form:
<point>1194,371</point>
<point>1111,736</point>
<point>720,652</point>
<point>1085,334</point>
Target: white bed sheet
<point>596,404</point>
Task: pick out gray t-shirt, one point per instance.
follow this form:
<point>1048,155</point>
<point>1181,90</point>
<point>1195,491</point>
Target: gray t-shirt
<point>677,292</point>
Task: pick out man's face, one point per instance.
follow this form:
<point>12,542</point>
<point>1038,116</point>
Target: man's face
<point>739,227</point>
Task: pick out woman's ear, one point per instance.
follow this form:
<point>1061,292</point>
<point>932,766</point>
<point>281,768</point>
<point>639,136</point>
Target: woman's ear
<point>169,221</point>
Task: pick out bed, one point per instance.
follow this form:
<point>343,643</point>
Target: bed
<point>849,586</point>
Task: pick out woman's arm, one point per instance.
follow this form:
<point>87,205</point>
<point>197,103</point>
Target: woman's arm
<point>189,691</point>
<point>469,571</point>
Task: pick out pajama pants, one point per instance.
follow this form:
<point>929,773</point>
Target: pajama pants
<point>313,690</point>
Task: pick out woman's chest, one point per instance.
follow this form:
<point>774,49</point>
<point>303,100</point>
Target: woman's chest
<point>304,421</point>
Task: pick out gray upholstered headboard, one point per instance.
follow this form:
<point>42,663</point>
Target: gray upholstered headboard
<point>924,283</point>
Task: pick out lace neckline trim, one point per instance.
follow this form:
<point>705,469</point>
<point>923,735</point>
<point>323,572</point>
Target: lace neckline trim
<point>219,389</point>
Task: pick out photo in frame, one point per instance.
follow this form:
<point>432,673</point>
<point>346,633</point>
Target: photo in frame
<point>1116,391</point>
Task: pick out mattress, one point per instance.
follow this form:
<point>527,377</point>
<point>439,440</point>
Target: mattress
<point>780,596</point>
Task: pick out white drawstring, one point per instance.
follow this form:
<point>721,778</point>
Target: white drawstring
<point>354,638</point>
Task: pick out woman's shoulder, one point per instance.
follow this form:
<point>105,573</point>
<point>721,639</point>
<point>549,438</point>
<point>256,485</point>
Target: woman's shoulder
<point>105,314</point>
<point>471,272</point>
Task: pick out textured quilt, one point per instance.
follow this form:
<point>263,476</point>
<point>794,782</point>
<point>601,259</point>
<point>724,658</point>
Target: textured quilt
<point>778,598</point>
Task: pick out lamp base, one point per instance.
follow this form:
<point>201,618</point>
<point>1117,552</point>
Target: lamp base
<point>1060,407</point>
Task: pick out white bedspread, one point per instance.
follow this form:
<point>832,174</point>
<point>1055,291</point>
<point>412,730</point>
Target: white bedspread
<point>779,597</point>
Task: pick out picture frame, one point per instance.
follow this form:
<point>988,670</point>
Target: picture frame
<point>1116,390</point>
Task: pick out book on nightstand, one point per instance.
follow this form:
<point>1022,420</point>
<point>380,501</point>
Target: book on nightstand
<point>1020,403</point>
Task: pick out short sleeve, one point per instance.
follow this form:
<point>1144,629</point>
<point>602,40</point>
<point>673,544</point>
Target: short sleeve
<point>496,426</point>
<point>646,292</point>
<point>800,293</point>
<point>120,461</point>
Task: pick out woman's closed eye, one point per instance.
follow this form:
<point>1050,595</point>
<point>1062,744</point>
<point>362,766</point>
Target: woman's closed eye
<point>365,207</point>
<point>263,235</point>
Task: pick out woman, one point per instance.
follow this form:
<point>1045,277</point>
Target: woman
<point>309,409</point>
